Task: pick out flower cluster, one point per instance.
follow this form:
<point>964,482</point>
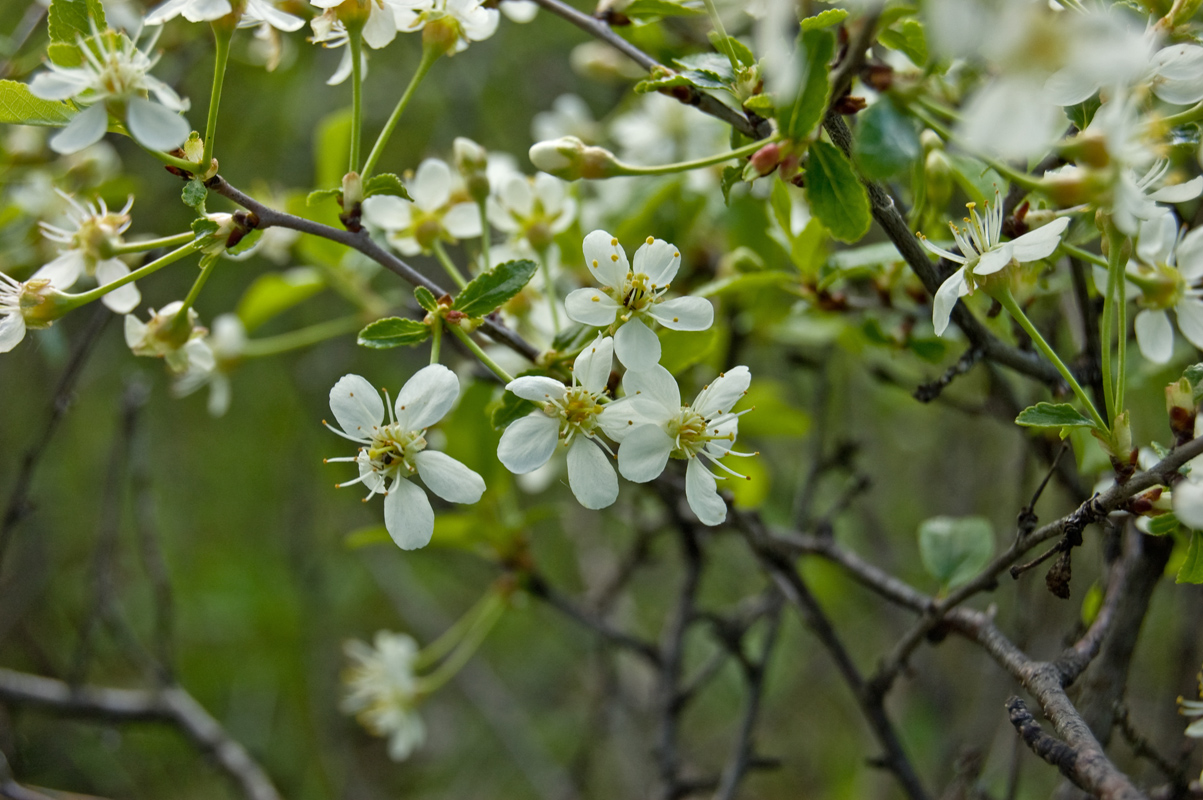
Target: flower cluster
<point>383,690</point>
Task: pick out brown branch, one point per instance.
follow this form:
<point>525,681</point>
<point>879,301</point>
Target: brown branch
<point>172,705</point>
<point>362,242</point>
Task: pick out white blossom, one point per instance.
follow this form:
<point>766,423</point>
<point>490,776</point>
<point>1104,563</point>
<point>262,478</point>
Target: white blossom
<point>659,428</point>
<point>114,76</point>
<point>227,343</point>
<point>471,20</point>
<point>572,416</point>
<point>1170,268</point>
<point>92,229</point>
<point>414,227</point>
<point>254,12</point>
<point>632,297</point>
<point>380,28</point>
<point>535,209</point>
<point>396,450</point>
<point>983,253</point>
<point>383,690</point>
<point>179,342</point>
<point>20,308</point>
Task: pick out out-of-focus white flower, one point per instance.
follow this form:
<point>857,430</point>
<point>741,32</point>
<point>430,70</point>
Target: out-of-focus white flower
<point>983,253</point>
<point>660,428</point>
<point>178,341</point>
<point>93,230</point>
<point>1178,74</point>
<point>396,450</point>
<point>329,32</point>
<point>1169,269</point>
<point>632,297</point>
<point>227,342</point>
<point>468,20</point>
<point>414,227</point>
<point>569,116</point>
<point>24,305</point>
<point>114,77</point>
<point>520,11</point>
<point>382,691</point>
<point>572,415</point>
<point>661,130</point>
<point>253,12</point>
<point>380,27</point>
<point>534,209</point>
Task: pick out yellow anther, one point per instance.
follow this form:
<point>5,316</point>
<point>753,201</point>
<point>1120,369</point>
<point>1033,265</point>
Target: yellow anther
<point>614,256</point>
<point>596,299</point>
<point>650,240</point>
<point>614,242</point>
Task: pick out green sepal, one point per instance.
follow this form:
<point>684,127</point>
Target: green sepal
<point>731,176</point>
<point>489,290</point>
<point>203,227</point>
<point>393,332</point>
<point>1163,524</point>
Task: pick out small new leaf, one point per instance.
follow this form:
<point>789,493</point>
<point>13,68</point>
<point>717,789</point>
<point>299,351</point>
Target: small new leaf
<point>393,332</point>
<point>19,107</point>
<point>194,194</point>
<point>203,227</point>
<point>1053,415</point>
<point>825,19</point>
<point>322,195</point>
<point>1191,570</point>
<point>426,299</point>
<point>954,549</point>
<point>1163,524</point>
<point>742,53</point>
<point>907,36</point>
<point>385,183</point>
<point>836,195</point>
<point>489,290</point>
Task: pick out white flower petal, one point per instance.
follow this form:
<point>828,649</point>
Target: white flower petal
<point>61,84</point>
<point>590,474</point>
<point>431,186</point>
<point>1188,503</point>
<point>1070,86</point>
<point>408,516</point>
<point>946,297</point>
<point>659,261</point>
<point>551,192</point>
<point>1155,335</point>
<point>476,22</point>
<point>426,397</point>
<point>155,126</point>
<point>1179,74</point>
<point>606,259</point>
<point>1190,256</point>
<point>684,313</point>
<point>1040,243</point>
<point>12,331</point>
<point>591,307</point>
<point>381,27</point>
<point>656,384</point>
<point>636,346</point>
<point>448,478</point>
<point>135,332</point>
<point>123,299</point>
<point>644,453</point>
<point>1190,320</point>
<point>592,367</point>
<point>462,221</point>
<point>1179,192</point>
<point>266,11</point>
<point>723,392</point>
<point>520,11</point>
<point>701,490</point>
<point>63,271</point>
<point>1012,117</point>
<point>388,211</point>
<point>354,402</point>
<point>528,443</point>
<point>86,128</point>
<point>618,419</point>
<point>537,388</point>
<point>518,196</point>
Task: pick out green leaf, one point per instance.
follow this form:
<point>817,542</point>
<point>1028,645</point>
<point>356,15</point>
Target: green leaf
<point>194,194</point>
<point>690,77</point>
<point>19,107</point>
<point>1194,374</point>
<point>782,205</point>
<point>762,104</point>
<point>273,293</point>
<point>331,142</point>
<point>1053,415</point>
<point>1191,570</point>
<point>426,299</point>
<point>511,407</point>
<point>975,178</point>
<point>736,283</point>
<point>731,176</point>
<point>836,195</point>
<point>954,549</point>
<point>680,350</point>
<point>321,196</point>
<point>825,19</point>
<point>70,19</point>
<point>742,53</point>
<point>393,332</point>
<point>489,290</point>
<point>1091,603</point>
<point>908,37</point>
<point>1080,114</point>
<point>654,9</point>
<point>1163,524</point>
<point>808,248</point>
<point>385,183</point>
<point>886,142</point>
<point>572,339</point>
<point>776,416</point>
<point>799,118</point>
<point>202,227</point>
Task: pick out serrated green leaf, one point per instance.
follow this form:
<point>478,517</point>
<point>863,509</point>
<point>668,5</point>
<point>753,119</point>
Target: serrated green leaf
<point>799,118</point>
<point>836,195</point>
<point>489,290</point>
<point>1163,524</point>
<point>426,298</point>
<point>1053,415</point>
<point>762,104</point>
<point>655,9</point>
<point>954,549</point>
<point>742,54</point>
<point>825,19</point>
<point>1080,114</point>
<point>194,194</point>
<point>886,141</point>
<point>385,183</point>
<point>393,332</point>
<point>907,37</point>
<point>510,408</point>
<point>68,20</point>
<point>716,65</point>
<point>273,293</point>
<point>19,107</point>
<point>1191,570</point>
<point>203,226</point>
<point>321,195</point>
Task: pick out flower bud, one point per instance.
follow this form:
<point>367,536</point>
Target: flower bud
<point>570,158</point>
<point>472,161</point>
<point>763,161</point>
<point>441,35</point>
<point>1180,405</point>
<point>41,304</point>
<point>352,189</point>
